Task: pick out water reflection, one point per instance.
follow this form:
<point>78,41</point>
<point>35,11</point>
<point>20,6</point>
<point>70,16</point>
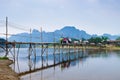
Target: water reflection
<point>32,62</point>
<point>82,65</point>
<point>46,74</point>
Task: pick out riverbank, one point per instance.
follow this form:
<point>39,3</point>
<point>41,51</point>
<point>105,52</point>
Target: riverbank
<point>108,47</point>
<point>6,73</point>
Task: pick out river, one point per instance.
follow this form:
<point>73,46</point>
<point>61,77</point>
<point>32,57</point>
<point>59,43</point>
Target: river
<point>82,65</point>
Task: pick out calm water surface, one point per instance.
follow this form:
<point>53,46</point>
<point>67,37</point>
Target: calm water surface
<point>95,65</point>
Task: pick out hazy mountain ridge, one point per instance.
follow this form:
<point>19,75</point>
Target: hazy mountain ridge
<point>67,31</point>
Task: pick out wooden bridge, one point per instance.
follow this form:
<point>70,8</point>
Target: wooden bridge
<point>59,49</point>
<point>61,52</point>
<point>6,45</point>
<point>44,45</point>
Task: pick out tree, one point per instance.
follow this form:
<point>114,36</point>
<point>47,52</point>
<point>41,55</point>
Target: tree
<point>95,40</point>
<point>104,38</point>
<point>118,38</point>
<point>2,42</point>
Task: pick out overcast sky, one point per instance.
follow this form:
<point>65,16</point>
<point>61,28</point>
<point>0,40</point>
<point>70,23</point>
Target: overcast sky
<point>93,16</point>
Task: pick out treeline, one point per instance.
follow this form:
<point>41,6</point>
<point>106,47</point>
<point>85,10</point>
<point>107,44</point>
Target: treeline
<point>97,40</point>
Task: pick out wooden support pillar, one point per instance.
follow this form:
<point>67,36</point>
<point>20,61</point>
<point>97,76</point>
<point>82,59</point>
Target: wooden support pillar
<point>59,51</point>
<point>29,53</point>
<point>54,53</point>
<point>18,51</point>
<point>14,51</point>
<point>34,55</point>
<point>47,54</point>
<point>42,46</point>
<point>17,55</point>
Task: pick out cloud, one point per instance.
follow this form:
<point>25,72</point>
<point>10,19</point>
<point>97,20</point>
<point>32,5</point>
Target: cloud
<point>58,2</point>
<point>93,1</point>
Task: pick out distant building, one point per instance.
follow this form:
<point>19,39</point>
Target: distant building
<point>69,40</point>
<point>114,42</point>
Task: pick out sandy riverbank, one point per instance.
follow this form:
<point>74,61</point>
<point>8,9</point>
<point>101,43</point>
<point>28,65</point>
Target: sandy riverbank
<point>6,73</point>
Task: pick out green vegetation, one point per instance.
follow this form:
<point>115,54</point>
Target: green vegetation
<point>97,40</point>
<point>2,42</point>
<point>118,38</point>
<point>3,58</point>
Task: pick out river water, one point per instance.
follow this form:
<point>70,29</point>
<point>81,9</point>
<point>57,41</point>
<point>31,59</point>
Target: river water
<point>82,65</point>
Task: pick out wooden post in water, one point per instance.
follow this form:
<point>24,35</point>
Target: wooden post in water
<point>59,51</point>
<point>34,56</point>
<point>47,54</point>
<point>30,46</point>
<point>14,51</point>
<point>54,53</point>
<point>42,46</point>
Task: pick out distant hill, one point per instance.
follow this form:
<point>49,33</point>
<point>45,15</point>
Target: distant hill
<point>67,31</point>
<point>112,37</point>
<point>72,32</point>
<point>2,42</point>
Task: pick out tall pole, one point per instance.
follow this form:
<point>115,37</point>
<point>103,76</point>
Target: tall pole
<point>30,46</point>
<point>41,35</point>
<point>6,36</point>
<point>41,46</point>
<point>6,28</point>
<point>53,37</point>
<point>30,36</point>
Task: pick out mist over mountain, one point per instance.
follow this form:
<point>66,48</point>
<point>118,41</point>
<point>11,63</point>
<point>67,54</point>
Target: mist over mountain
<point>67,31</point>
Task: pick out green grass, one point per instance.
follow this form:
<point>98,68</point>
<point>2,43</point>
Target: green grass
<point>3,58</point>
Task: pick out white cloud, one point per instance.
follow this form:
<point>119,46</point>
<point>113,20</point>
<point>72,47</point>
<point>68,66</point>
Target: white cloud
<point>92,1</point>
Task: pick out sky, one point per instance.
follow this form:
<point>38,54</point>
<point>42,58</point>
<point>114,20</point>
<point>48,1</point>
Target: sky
<point>92,16</point>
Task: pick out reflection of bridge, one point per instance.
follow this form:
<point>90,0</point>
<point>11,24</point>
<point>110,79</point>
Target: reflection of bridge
<point>65,62</point>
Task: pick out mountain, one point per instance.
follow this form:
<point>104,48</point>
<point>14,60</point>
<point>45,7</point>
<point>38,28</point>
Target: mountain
<point>35,36</point>
<point>72,32</point>
<point>67,31</point>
